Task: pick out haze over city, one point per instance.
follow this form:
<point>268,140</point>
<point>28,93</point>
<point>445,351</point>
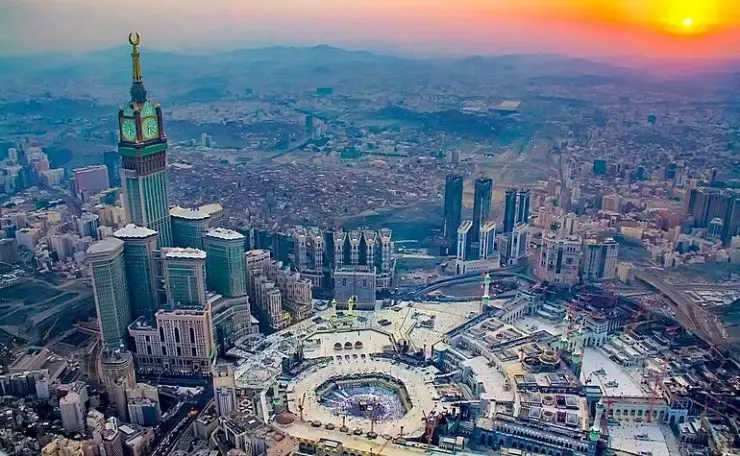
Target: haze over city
<point>587,28</point>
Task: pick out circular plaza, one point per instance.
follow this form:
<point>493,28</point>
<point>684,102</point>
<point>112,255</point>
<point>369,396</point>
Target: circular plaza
<point>363,395</point>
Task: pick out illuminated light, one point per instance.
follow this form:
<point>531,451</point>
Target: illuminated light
<point>688,22</point>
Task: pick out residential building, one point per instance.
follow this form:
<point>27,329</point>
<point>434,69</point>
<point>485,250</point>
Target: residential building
<point>72,409</point>
<point>90,180</point>
<point>600,259</point>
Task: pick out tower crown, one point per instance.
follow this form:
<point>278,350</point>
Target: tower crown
<point>138,91</point>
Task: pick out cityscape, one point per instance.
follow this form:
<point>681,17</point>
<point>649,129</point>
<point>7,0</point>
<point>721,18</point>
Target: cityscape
<point>316,251</point>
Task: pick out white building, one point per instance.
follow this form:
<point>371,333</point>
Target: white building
<point>224,388</point>
<point>72,409</point>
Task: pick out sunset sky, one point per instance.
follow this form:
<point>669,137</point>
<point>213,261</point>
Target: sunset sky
<point>588,28</point>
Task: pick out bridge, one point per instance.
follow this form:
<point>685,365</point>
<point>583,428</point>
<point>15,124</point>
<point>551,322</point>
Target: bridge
<point>509,272</point>
<point>696,320</point>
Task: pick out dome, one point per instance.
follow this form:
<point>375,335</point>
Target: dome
<point>337,346</point>
<point>285,418</point>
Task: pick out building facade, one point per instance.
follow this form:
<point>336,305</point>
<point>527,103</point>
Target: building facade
<point>600,259</point>
<point>188,227</point>
<point>224,388</point>
<point>225,266</point>
<point>482,198</point>
<point>185,277</point>
<point>110,288</point>
<point>452,209</point>
<point>356,283</point>
<point>139,245</point>
<point>180,340</point>
<point>560,259</point>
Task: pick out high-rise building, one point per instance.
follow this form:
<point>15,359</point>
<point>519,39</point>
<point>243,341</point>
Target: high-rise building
<point>600,167</point>
<point>522,206</point>
<point>560,259</point>
<point>188,227</point>
<point>143,405</point>
<point>185,277</point>
<point>143,149</point>
<point>482,198</point>
<point>453,208</point>
<point>487,240</point>
<point>90,180</point>
<point>366,248</point>
<point>463,239</point>
<point>516,208</point>
<point>231,319</point>
<point>224,388</point>
<point>515,249</point>
<point>715,228</point>
<point>112,303</point>
<point>112,161</point>
<point>600,259</point>
<point>87,225</point>
<point>509,210</point>
<point>72,409</point>
<point>309,254</point>
<point>139,244</point>
<point>225,262</point>
<point>180,340</point>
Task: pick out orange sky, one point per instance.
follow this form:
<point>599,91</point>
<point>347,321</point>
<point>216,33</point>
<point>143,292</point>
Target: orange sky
<point>577,27</point>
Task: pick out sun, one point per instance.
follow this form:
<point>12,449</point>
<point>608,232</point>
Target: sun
<point>687,22</point>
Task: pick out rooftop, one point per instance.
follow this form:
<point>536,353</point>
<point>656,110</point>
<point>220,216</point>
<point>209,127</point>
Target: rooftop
<point>211,209</point>
<point>132,231</point>
<point>185,253</point>
<point>190,214</point>
<point>225,234</point>
<point>106,246</point>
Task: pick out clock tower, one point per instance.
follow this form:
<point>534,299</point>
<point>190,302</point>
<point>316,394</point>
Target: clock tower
<point>143,149</point>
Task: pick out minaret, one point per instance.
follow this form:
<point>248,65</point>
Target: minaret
<point>594,433</point>
<point>486,298</point>
<point>143,149</point>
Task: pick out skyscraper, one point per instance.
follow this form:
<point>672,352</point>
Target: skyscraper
<point>111,291</point>
<point>225,265</point>
<point>143,149</point>
<point>188,226</point>
<point>139,244</point>
<point>112,162</point>
<point>516,208</point>
<point>481,208</point>
<point>510,210</point>
<point>453,208</point>
<point>185,277</point>
<point>522,206</point>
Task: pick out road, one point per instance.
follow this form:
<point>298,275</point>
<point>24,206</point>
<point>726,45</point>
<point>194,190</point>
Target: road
<point>170,432</point>
<point>693,318</point>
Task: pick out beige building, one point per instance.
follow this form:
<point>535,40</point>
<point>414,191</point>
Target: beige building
<point>296,292</point>
<point>181,340</point>
<point>560,259</point>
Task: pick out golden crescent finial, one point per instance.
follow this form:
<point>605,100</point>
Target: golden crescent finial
<point>134,39</point>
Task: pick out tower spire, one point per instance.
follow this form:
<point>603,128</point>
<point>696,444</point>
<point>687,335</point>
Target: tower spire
<point>138,91</point>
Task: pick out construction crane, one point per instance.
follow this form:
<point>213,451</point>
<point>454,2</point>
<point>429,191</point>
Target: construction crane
<point>51,328</point>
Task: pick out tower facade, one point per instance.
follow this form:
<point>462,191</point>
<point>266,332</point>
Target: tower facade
<point>139,244</point>
<point>111,291</point>
<point>185,277</point>
<point>143,149</point>
<point>453,208</point>
<point>225,264</point>
<point>481,207</point>
<point>188,226</point>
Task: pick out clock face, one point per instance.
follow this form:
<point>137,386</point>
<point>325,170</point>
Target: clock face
<point>150,127</point>
<point>128,130</point>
